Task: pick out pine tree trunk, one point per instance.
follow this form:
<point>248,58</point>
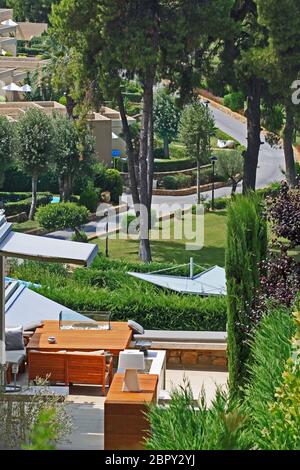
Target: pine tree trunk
<point>146,180</point>
<point>61,187</point>
<point>198,183</point>
<point>288,133</point>
<point>253,135</point>
<point>70,106</point>
<point>34,197</point>
<point>130,151</point>
<point>166,147</point>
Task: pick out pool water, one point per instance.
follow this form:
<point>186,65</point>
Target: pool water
<point>55,200</point>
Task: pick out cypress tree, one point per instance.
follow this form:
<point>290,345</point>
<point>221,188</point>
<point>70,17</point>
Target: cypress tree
<point>246,248</point>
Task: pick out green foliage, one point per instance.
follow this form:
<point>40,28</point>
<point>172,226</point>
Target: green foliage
<point>17,180</point>
<point>44,420</point>
<point>166,115</point>
<point>230,166</point>
<point>270,349</point>
<point>31,10</point>
<point>177,181</point>
<point>90,197</point>
<point>246,248</point>
<point>283,431</point>
<point>79,236</point>
<point>35,142</point>
<point>107,286</point>
<point>109,179</point>
<point>234,101</point>
<point>6,136</point>
<point>62,216</point>
<point>24,204</point>
<point>44,433</point>
<point>196,129</point>
<point>167,165</point>
<point>188,425</point>
<point>74,152</point>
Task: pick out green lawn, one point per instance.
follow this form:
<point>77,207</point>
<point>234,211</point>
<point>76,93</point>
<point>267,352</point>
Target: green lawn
<point>25,226</point>
<point>172,250</point>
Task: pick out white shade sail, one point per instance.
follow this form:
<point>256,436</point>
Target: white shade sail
<point>12,87</point>
<point>9,22</point>
<point>26,88</point>
<point>209,282</point>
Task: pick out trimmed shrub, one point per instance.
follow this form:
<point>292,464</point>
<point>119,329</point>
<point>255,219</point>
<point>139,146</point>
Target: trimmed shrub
<point>89,198</point>
<point>23,204</point>
<point>159,153</point>
<point>62,216</point>
<point>177,181</point>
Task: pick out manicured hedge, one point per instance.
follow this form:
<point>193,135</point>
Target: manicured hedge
<point>164,165</point>
<point>177,181</point>
<point>23,204</point>
<point>112,289</point>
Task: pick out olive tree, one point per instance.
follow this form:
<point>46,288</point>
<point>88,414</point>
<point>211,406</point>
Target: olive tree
<point>34,147</point>
<point>74,152</point>
<point>230,165</point>
<point>196,127</point>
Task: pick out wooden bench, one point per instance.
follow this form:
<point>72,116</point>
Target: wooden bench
<point>70,367</point>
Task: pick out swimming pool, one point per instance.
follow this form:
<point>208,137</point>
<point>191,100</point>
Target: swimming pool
<point>55,200</point>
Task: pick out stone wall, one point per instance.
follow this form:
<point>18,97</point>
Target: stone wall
<point>203,358</point>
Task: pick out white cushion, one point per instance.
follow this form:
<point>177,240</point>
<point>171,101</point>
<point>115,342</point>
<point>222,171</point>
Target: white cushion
<point>136,327</point>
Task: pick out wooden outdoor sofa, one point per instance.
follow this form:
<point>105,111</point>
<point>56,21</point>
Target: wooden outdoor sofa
<point>70,367</point>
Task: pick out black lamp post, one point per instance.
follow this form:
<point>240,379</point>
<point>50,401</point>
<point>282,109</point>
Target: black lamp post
<point>213,160</point>
<point>106,232</point>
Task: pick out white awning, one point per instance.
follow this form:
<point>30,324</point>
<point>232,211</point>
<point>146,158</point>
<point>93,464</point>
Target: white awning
<point>21,245</point>
<point>209,282</point>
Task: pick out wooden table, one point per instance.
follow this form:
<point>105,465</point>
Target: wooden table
<point>114,340</point>
<point>125,423</point>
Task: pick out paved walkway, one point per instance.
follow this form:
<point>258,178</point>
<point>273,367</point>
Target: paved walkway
<point>86,406</point>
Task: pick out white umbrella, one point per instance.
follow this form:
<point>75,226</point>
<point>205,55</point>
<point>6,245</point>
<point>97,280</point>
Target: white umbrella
<point>9,23</point>
<point>26,88</point>
<point>114,136</point>
<point>12,87</point>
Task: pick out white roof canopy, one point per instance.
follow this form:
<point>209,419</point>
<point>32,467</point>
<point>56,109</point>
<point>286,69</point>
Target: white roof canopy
<point>21,245</point>
<point>209,282</point>
<point>12,87</point>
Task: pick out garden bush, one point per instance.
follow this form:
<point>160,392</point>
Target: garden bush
<point>62,216</point>
<point>234,100</point>
<point>161,166</point>
<point>177,181</point>
<point>109,179</point>
<point>90,197</point>
<point>22,204</point>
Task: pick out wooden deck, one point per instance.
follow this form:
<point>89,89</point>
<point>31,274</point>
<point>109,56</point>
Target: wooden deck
<point>114,340</point>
